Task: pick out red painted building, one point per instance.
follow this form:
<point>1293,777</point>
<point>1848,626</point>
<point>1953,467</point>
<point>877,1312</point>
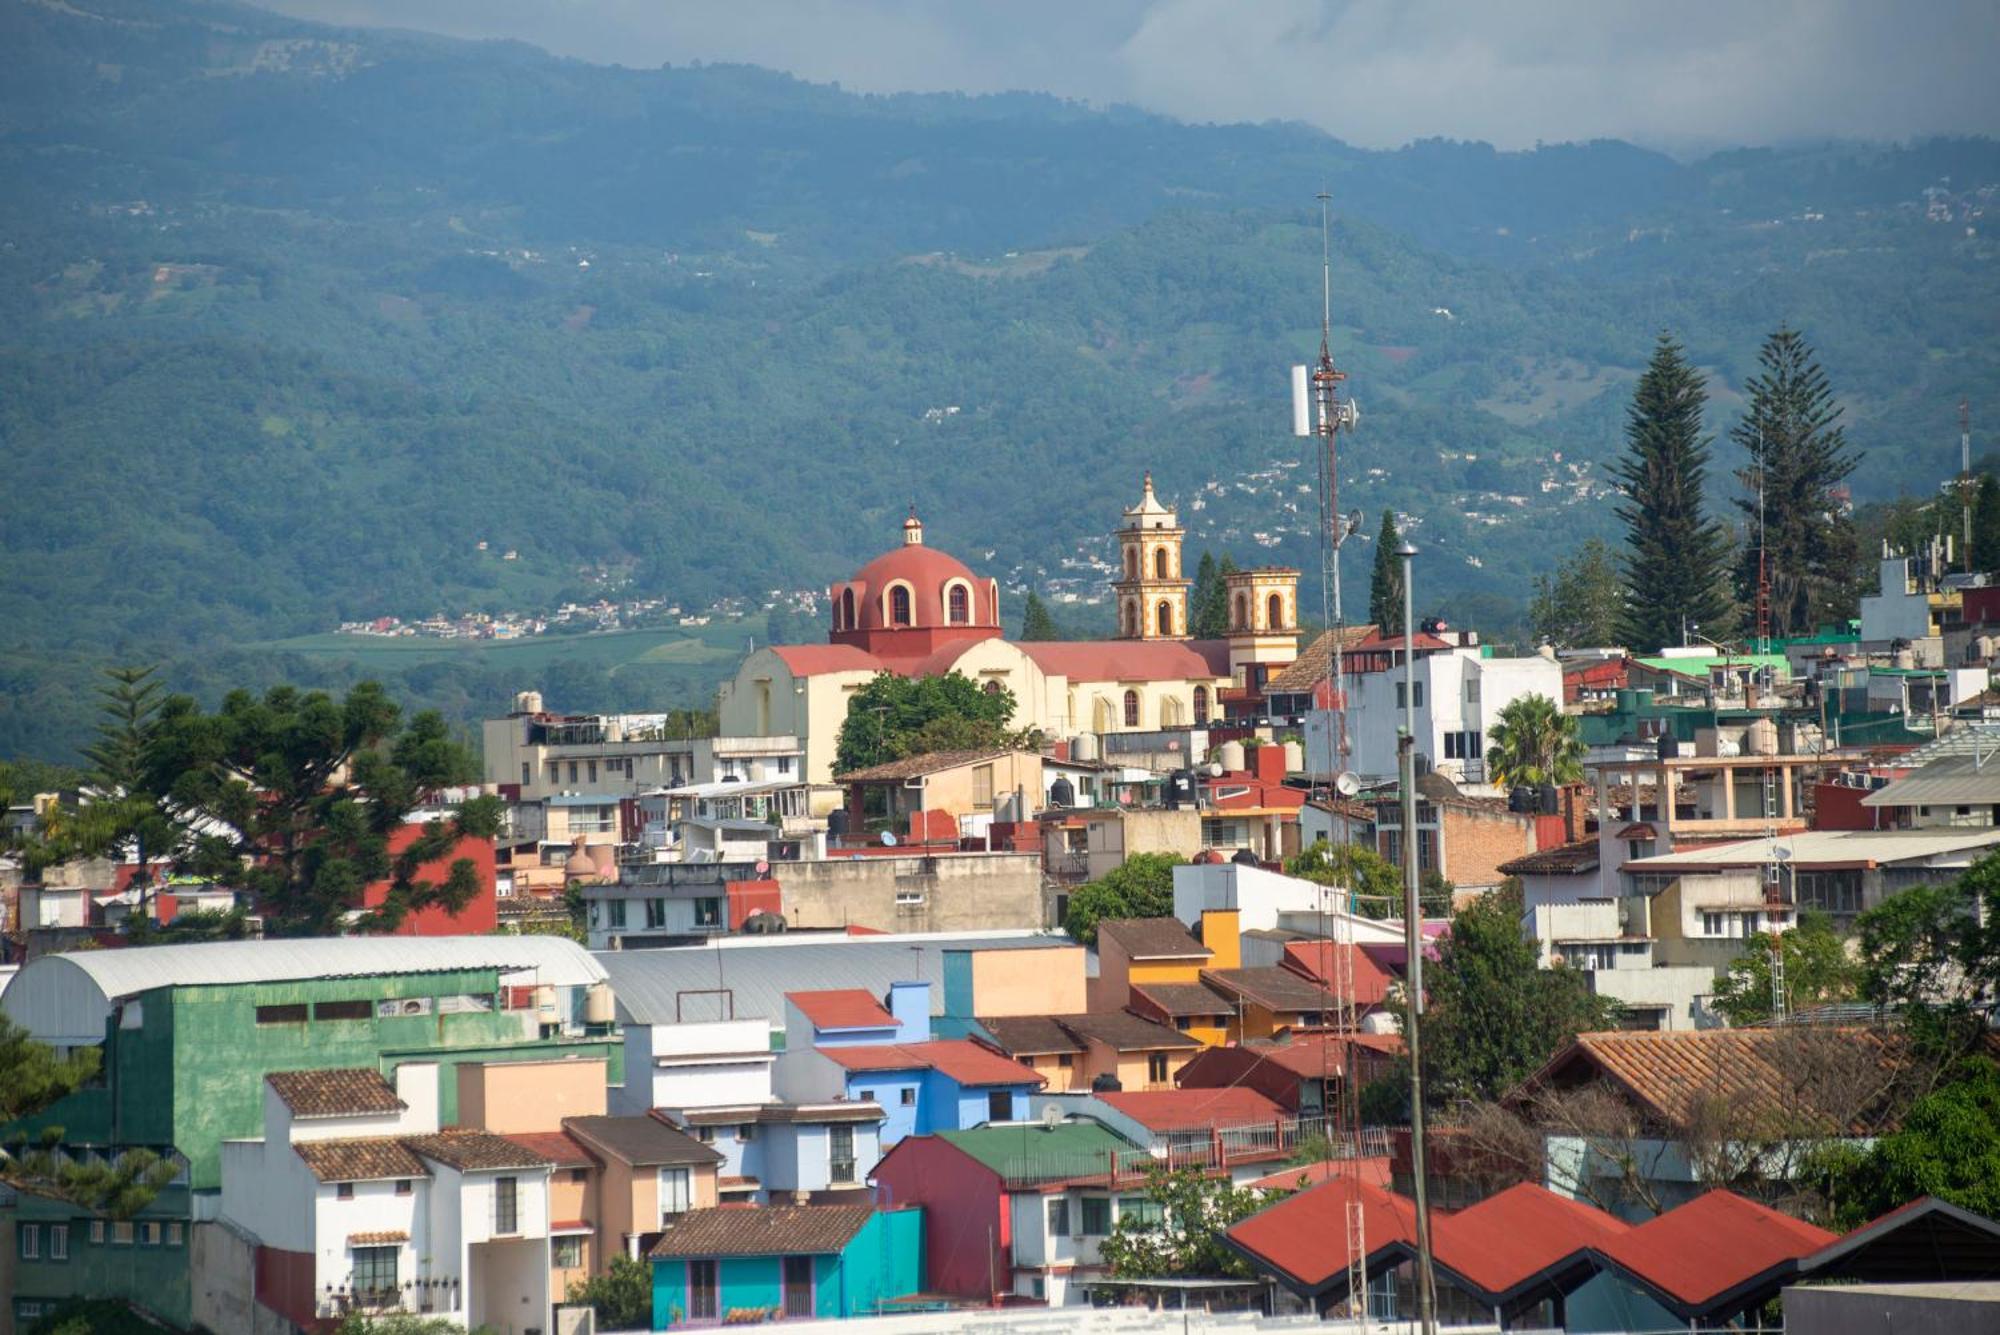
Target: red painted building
<point>477,916</point>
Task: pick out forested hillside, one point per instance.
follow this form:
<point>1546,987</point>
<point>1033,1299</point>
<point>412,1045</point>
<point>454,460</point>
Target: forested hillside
<point>292,319</point>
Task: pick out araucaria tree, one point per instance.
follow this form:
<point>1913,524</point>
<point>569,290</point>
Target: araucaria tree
<point>1676,558</point>
<point>1385,584</point>
<point>1798,457</point>
<point>294,797</point>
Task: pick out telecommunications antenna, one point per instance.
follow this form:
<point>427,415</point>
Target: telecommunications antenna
<point>1347,784</point>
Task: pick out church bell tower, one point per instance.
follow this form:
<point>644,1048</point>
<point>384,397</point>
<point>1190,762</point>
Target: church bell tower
<point>1152,593</point>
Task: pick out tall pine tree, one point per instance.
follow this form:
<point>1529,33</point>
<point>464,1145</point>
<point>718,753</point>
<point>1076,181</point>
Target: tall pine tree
<point>1986,524</point>
<point>1385,585</point>
<point>1036,623</point>
<point>1798,452</point>
<point>1676,561</point>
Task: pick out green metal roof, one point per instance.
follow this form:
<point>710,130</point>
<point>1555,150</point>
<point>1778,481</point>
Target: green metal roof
<point>1688,667</point>
<point>1034,1152</point>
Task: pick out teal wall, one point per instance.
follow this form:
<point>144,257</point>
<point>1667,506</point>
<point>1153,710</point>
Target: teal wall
<point>155,1277</point>
<point>670,1283</point>
<point>752,1281</point>
<point>1606,1304</point>
<point>885,1260</point>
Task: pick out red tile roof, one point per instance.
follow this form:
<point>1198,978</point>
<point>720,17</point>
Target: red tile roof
<point>1313,1054</point>
<point>334,1092</point>
<point>555,1146</point>
<point>961,1059</point>
<point>842,1008</point>
<point>1507,1240</point>
<point>763,1230</point>
<point>811,660</point>
<point>1153,938</point>
<point>476,1151</point>
<point>1303,1237</point>
<point>1374,1173</point>
<point>927,762</point>
<point>1702,1250</point>
<point>1318,960</point>
<point>365,1159</point>
<point>1187,1109</point>
<point>1129,660</point>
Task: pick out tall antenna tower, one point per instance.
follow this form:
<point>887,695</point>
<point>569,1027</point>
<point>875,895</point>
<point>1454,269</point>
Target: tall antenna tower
<point>1319,410</point>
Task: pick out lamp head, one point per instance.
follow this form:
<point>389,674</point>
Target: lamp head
<point>1407,550</point>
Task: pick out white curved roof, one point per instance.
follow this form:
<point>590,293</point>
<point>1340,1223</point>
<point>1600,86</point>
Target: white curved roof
<point>66,998</point>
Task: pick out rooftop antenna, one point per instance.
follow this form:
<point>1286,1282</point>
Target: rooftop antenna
<point>1965,484</point>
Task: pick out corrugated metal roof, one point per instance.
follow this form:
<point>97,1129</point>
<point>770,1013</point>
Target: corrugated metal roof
<point>758,971</point>
<point>1965,738</point>
<point>1949,781</point>
<point>1810,848</point>
<point>65,998</point>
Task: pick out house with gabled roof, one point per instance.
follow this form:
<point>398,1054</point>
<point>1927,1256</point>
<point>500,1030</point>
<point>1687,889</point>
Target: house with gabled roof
<point>786,1263</point>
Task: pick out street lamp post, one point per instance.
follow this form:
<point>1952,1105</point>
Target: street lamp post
<point>1413,942</point>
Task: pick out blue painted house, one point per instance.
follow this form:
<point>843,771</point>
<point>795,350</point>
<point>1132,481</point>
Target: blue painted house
<point>785,1262</point>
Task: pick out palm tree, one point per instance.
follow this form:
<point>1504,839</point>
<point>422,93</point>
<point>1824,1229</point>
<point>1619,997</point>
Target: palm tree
<point>1534,742</point>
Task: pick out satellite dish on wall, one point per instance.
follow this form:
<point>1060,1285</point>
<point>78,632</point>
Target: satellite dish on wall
<point>888,838</point>
<point>1347,783</point>
<point>1052,1115</point>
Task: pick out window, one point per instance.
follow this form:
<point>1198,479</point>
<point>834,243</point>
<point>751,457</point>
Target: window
<point>1200,705</point>
<point>149,1234</point>
<point>375,1270</point>
<point>555,772</point>
<point>1163,618</point>
<point>592,765</point>
<point>1131,709</point>
<point>343,1010</point>
<point>999,1106</point>
<point>1472,690</point>
<point>1131,563</point>
<point>673,1193</point>
<point>702,1287</point>
<point>840,1155</point>
<point>784,764</point>
<point>1096,1216</point>
<point>1059,1216</point>
<point>572,771</point>
<point>27,1311</point>
<point>1156,1068</point>
<point>173,1235</point>
<point>847,608</point>
<point>579,1176</point>
<point>506,1206</point>
<point>1463,745</point>
<point>1066,1060</point>
<point>1418,694</point>
<point>30,1238</point>
<point>908,1098</point>
<point>899,606</point>
<point>614,911</point>
<point>1829,891</point>
<point>97,1232</point>
<point>1159,563</point>
<point>1718,924</point>
<point>344,1191</point>
<point>705,1134</point>
<point>1141,1211</point>
<point>527,773</point>
<point>566,1252</point>
<point>288,1014</point>
<point>746,1131</point>
<point>958,606</point>
<point>121,1233</point>
<point>708,912</point>
<point>1274,612</point>
<point>982,786</point>
<point>1241,619</point>
<point>404,1186</point>
<point>656,913</point>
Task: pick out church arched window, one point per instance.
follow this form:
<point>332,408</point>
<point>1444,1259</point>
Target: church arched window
<point>899,606</point>
<point>1131,563</point>
<point>1159,563</point>
<point>958,606</point>
<point>1164,614</point>
<point>847,609</point>
<point>1126,618</point>
<point>1131,709</point>
<point>1242,617</point>
<point>1200,705</point>
<point>1274,615</point>
<point>992,686</point>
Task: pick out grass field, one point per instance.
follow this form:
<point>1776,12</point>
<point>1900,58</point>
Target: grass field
<point>704,650</point>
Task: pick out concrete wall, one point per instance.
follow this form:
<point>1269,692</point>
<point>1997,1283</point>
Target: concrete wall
<point>1028,982</point>
<point>1894,1309</point>
<point>529,1096</point>
<point>973,892</point>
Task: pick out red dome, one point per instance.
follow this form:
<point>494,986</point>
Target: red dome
<point>908,602</point>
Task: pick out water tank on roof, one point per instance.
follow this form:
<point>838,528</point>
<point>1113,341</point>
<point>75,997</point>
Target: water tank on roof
<point>1986,646</point>
<point>1295,757</point>
<point>1062,793</point>
<point>836,822</point>
<point>598,1007</point>
<point>527,702</point>
<point>1762,738</point>
<point>1906,659</point>
<point>1232,756</point>
<point>1548,801</point>
<point>763,924</point>
<point>1244,858</point>
<point>1520,798</point>
<point>1106,1083</point>
<point>1668,746</point>
<point>1083,746</point>
<point>1420,764</point>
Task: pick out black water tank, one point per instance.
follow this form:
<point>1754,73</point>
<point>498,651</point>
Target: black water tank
<point>1106,1084</point>
<point>763,924</point>
<point>1669,746</point>
<point>1521,798</point>
<point>1547,800</point>
<point>836,822</point>
<point>1062,793</point>
<point>1244,858</point>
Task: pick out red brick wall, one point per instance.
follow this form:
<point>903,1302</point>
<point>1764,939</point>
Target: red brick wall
<point>480,913</point>
<point>1476,842</point>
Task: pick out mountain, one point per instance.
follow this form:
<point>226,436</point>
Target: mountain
<point>294,318</point>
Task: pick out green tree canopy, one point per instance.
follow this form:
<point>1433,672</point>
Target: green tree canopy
<point>1036,623</point>
<point>1817,971</point>
<point>892,717</point>
<point>1931,954</point>
<point>1676,558</point>
<point>34,1079</point>
<point>1178,1234</point>
<point>622,1296</point>
<point>1385,582</point>
<point>294,797</point>
<point>1374,884</point>
<point>1534,742</point>
<point>1985,524</point>
<point>1582,604</point>
<point>1798,455</point>
<point>1140,887</point>
<point>1208,600</point>
<point>1948,1146</point>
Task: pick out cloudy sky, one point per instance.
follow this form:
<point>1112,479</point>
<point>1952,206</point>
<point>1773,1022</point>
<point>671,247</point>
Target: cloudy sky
<point>1682,75</point>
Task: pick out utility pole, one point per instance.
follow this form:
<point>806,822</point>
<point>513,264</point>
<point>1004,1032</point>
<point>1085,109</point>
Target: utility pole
<point>1413,943</point>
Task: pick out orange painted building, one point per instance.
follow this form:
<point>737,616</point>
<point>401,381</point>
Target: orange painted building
<point>478,916</point>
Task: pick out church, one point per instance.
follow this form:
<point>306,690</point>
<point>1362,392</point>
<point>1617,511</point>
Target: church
<point>917,611</point>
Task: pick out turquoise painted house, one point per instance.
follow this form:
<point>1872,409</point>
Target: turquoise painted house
<point>786,1263</point>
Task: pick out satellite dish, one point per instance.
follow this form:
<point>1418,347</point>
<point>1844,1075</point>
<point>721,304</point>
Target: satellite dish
<point>1347,783</point>
<point>1215,770</point>
<point>763,867</point>
<point>888,838</point>
<point>1782,854</point>
<point>1052,1115</point>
